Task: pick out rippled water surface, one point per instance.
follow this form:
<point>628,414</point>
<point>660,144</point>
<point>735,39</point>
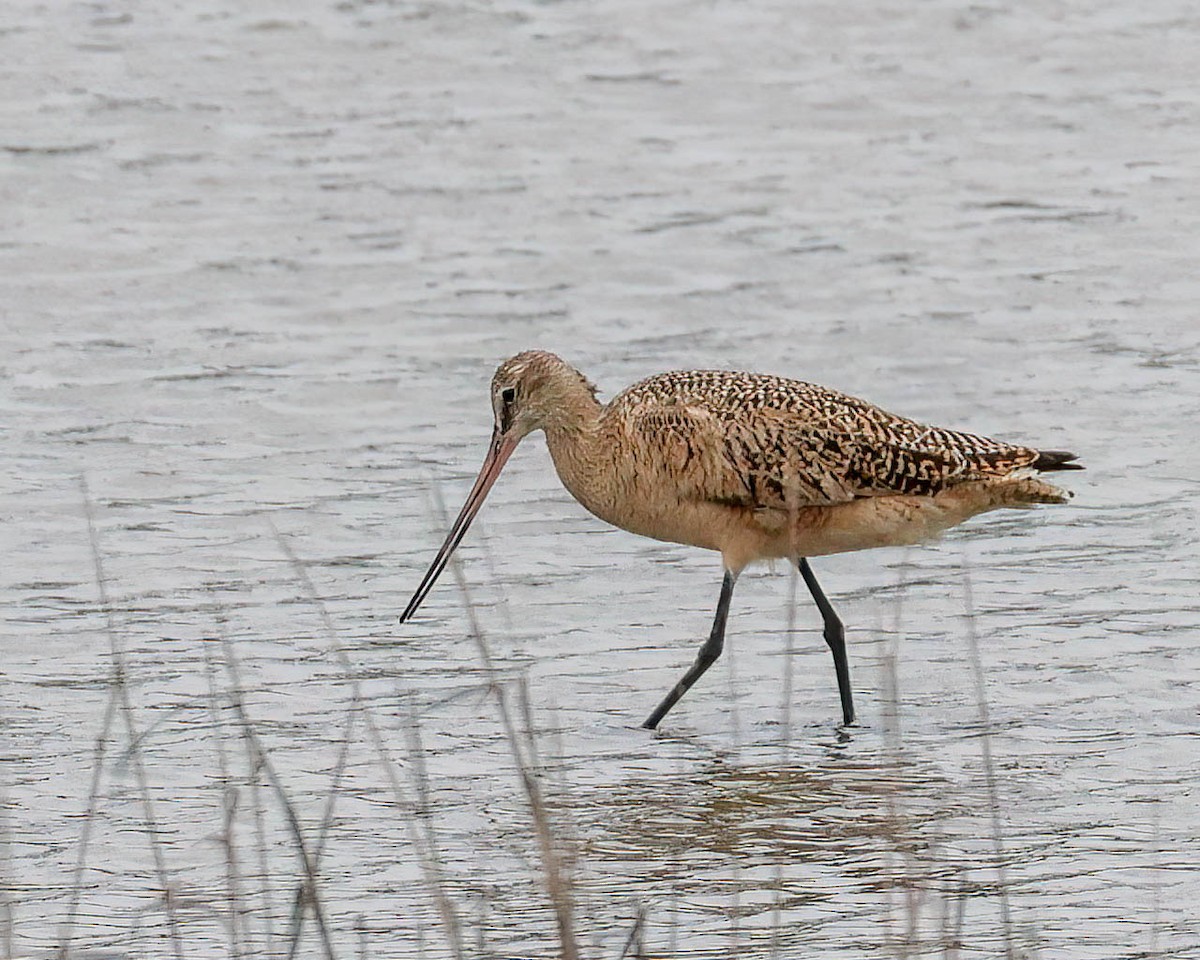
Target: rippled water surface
<point>258,263</point>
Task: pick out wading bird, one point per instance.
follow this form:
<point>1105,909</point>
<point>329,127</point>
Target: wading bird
<point>754,466</point>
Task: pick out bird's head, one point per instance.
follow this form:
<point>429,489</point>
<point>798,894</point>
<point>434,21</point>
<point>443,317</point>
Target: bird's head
<point>534,390</point>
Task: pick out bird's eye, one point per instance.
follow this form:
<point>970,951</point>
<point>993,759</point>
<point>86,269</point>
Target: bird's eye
<point>508,394</point>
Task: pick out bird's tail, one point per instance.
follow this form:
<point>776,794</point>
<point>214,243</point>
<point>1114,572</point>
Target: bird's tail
<point>1056,460</point>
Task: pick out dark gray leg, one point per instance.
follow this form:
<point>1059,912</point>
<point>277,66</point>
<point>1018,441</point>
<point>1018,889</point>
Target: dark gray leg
<point>835,636</point>
<point>705,659</point>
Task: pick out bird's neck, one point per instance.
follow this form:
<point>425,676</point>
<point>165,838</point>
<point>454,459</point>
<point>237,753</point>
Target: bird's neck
<point>573,434</point>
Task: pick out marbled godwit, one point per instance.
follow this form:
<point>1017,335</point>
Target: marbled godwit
<point>754,466</point>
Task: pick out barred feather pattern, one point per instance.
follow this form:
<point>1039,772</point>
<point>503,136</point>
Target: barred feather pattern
<point>788,443</point>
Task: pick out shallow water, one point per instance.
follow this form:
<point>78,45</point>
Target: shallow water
<point>257,270</point>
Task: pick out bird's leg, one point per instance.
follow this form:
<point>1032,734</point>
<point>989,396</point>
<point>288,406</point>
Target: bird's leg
<point>835,636</point>
<point>704,659</point>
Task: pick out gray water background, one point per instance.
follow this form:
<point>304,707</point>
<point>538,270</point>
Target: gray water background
<point>258,263</point>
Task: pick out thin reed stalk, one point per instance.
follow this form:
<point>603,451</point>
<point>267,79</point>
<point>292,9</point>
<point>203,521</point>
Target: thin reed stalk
<point>66,931</point>
<point>557,878</point>
<point>229,805</point>
<point>789,668</point>
<point>297,920</point>
<point>892,738</point>
<point>7,925</point>
<point>312,896</point>
<point>120,698</point>
<point>421,829</point>
<point>989,767</point>
<point>254,781</point>
<point>635,946</point>
<point>239,912</point>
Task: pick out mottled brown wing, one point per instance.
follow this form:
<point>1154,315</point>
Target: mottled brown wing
<point>761,461</point>
<point>895,455</point>
<point>830,449</point>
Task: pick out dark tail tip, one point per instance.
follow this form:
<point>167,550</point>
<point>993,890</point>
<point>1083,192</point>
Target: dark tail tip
<point>1056,460</point>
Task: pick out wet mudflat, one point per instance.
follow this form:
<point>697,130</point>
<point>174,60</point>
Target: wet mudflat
<point>257,270</point>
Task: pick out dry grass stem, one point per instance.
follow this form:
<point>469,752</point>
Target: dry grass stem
<point>229,805</point>
<point>989,767</point>
<point>297,917</point>
<point>421,829</point>
<point>66,931</point>
<point>262,760</point>
<point>119,698</point>
<point>635,947</point>
<point>557,878</point>
<point>7,884</point>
